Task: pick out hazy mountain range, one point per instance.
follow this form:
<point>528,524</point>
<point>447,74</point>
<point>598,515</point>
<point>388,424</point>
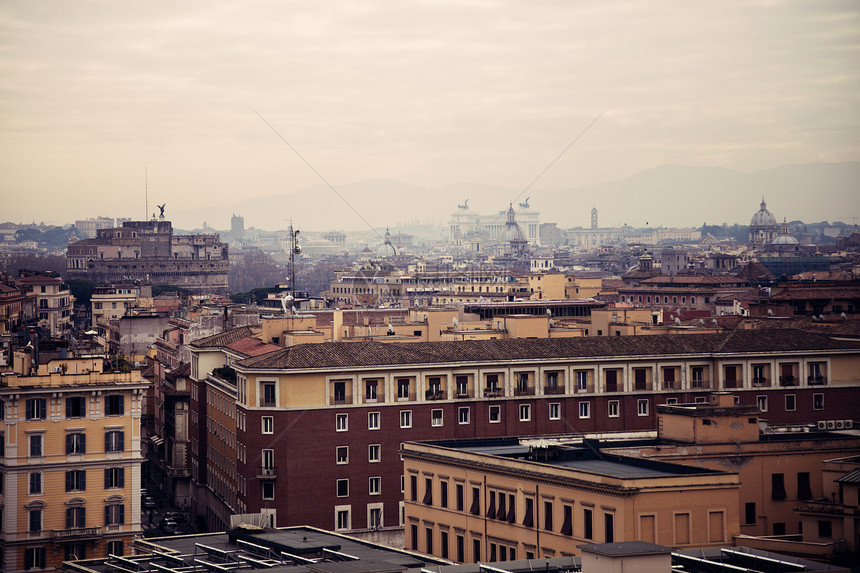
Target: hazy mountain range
<point>664,196</point>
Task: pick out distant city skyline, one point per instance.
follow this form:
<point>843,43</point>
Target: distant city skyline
<point>430,94</point>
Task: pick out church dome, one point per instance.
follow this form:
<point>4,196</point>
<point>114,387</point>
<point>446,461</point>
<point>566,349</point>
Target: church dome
<point>784,237</point>
<point>386,249</point>
<point>512,230</point>
<point>763,218</point>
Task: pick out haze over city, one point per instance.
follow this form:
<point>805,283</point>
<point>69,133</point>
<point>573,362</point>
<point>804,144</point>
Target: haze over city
<point>450,100</point>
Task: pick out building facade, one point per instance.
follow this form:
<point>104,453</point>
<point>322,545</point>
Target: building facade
<point>148,251</point>
<point>70,463</point>
<point>345,408</point>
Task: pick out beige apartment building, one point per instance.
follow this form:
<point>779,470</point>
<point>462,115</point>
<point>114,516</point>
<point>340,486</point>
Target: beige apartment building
<point>506,499</point>
<point>54,302</point>
<point>69,463</point>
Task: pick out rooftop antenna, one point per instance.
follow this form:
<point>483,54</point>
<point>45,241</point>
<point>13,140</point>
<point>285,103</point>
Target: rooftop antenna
<point>146,191</point>
<point>295,249</point>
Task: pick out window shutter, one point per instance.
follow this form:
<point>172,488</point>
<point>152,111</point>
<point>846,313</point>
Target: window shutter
<point>107,478</point>
<point>107,441</point>
<point>69,515</point>
<point>107,515</point>
<point>68,481</point>
<point>83,443</point>
<point>120,446</point>
<point>43,408</point>
<point>83,476</point>
<point>68,407</point>
<point>122,514</point>
<point>83,517</point>
<point>121,472</point>
<point>68,443</point>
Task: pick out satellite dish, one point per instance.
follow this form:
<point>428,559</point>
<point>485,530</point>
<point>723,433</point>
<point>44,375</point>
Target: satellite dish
<point>844,316</point>
<point>390,329</point>
<point>455,322</point>
<point>715,322</point>
<point>298,250</point>
<point>702,321</point>
<point>770,312</point>
<point>677,321</point>
<point>549,312</point>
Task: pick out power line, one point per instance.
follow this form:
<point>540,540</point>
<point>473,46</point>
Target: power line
<point>318,174</point>
<point>563,151</point>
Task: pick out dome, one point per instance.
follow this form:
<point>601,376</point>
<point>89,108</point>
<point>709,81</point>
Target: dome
<point>763,218</point>
<point>512,231</point>
<point>784,237</point>
<point>386,249</point>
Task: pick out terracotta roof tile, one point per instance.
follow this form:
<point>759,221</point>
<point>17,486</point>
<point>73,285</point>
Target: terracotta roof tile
<point>252,346</point>
<point>223,338</point>
<point>357,354</point>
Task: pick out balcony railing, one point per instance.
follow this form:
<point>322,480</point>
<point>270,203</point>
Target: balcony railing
<point>267,402</point>
<point>433,394</point>
<point>76,532</point>
<point>339,399</point>
<point>491,392</point>
<point>759,382</point>
<point>524,392</point>
<point>178,472</point>
<point>265,472</point>
<point>816,380</point>
<point>461,394</point>
<point>788,380</point>
<point>555,389</point>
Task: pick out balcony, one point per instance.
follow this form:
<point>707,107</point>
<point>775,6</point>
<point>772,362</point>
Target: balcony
<point>524,391</point>
<point>553,389</point>
<point>491,392</point>
<point>266,472</point>
<point>760,382</point>
<point>788,380</point>
<point>816,380</point>
<point>434,394</point>
<point>178,472</point>
<point>75,533</point>
<point>463,394</point>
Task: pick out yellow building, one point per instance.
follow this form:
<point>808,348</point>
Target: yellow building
<point>506,499</point>
<point>70,463</point>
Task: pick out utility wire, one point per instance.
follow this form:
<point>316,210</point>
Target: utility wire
<point>563,151</point>
<point>318,174</point>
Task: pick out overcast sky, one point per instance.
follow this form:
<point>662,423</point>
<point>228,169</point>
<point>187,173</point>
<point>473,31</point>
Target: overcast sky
<point>428,93</point>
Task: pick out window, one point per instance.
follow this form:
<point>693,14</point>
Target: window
<point>495,414</point>
<point>342,518</point>
<point>642,408</point>
<point>339,392</point>
<point>76,480</point>
<point>555,411</point>
<point>268,490</point>
<point>343,488</point>
<point>567,525</point>
<point>816,375</point>
<point>36,445</point>
<point>443,494</point>
<point>114,405</point>
<point>35,483</point>
<point>375,487</point>
<point>804,491</point>
<point>462,386</point>
<point>268,457</point>
<point>436,418</point>
<point>36,409</point>
<point>476,550</point>
<point>406,418</point>
<point>525,412</point>
<point>671,401</point>
<point>341,422</point>
<point>114,478</point>
<point>115,514</point>
<point>697,377</point>
<point>428,539</point>
<point>461,548</point>
<point>403,388</point>
<point>268,398</point>
<point>749,513</point>
<point>342,454</point>
<point>76,517</point>
<point>777,486</point>
<point>463,415</point>
<point>761,402</point>
<point>585,409</point>
<point>459,495</point>
<point>608,528</point>
<point>588,531</point>
<point>34,557</point>
<point>114,548</point>
<point>76,407</point>
<point>428,491</point>
<point>613,409</point>
<point>528,519</point>
<point>790,403</point>
<point>76,443</point>
<point>547,515</point>
<point>825,528</point>
<point>669,377</point>
<point>114,441</point>
<point>375,517</point>
<point>374,453</point>
<point>818,401</point>
<point>373,420</point>
<point>475,509</point>
<point>268,425</point>
<point>443,542</point>
<point>370,391</point>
